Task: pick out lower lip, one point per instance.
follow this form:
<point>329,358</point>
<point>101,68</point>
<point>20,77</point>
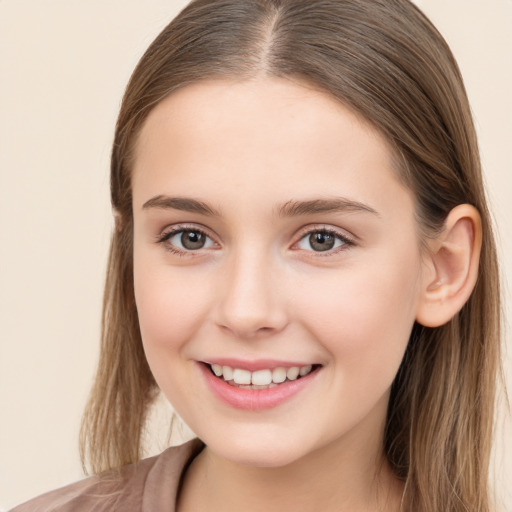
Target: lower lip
<point>255,399</point>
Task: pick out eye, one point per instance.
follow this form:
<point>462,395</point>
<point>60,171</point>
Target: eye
<point>186,240</point>
<point>323,240</point>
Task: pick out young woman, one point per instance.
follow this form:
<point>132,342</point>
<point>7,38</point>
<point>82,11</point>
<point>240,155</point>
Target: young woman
<point>303,263</point>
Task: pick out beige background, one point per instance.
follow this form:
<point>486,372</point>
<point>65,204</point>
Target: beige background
<point>63,67</point>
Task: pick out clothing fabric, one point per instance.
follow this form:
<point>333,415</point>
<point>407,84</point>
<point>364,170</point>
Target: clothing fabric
<point>150,485</point>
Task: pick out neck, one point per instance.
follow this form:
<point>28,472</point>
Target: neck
<point>345,475</point>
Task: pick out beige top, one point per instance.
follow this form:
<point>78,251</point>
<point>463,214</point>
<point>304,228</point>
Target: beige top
<point>150,485</point>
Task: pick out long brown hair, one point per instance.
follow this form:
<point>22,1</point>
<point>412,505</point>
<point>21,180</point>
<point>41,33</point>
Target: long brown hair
<point>385,60</point>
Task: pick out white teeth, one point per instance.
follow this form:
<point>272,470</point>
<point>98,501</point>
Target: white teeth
<point>292,373</point>
<point>217,369</point>
<point>265,377</point>
<point>227,373</point>
<point>261,377</point>
<point>305,370</point>
<point>278,375</point>
<point>241,376</point>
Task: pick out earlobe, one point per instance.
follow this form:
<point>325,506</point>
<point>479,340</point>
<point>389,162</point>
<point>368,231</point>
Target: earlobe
<point>452,267</point>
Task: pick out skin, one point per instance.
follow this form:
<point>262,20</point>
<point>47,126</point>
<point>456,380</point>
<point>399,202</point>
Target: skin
<point>259,290</point>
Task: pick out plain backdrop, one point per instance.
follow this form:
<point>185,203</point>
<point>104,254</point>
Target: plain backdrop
<point>63,68</point>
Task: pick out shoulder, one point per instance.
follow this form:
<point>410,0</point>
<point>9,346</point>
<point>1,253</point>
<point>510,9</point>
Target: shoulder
<point>121,490</point>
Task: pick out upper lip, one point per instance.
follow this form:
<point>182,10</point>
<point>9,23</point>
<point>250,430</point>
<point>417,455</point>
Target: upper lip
<point>255,364</point>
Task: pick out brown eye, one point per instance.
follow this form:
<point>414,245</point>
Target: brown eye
<point>192,240</point>
<point>186,240</point>
<point>321,241</point>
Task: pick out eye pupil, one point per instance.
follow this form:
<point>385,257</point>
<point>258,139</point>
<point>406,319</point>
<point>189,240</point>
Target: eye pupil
<point>321,241</point>
<point>192,240</point>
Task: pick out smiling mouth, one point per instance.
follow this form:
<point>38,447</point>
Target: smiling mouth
<point>260,379</point>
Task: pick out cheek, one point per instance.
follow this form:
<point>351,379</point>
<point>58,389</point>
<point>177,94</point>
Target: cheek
<point>364,317</point>
<point>169,307</point>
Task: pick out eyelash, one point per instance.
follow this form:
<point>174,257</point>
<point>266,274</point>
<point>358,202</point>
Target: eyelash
<point>167,235</point>
<point>347,242</point>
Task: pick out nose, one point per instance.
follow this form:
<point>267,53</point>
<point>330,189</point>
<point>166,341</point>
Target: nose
<point>251,302</point>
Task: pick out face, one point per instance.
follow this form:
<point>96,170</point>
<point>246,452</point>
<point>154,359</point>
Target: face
<point>277,268</point>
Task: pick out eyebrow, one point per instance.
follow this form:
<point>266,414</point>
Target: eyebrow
<point>331,205</point>
<point>292,208</point>
<point>186,204</point>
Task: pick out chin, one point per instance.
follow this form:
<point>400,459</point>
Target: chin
<point>262,452</point>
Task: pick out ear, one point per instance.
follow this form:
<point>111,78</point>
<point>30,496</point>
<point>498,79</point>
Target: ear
<point>451,267</point>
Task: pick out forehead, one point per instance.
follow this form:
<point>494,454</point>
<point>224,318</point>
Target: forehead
<point>265,138</point>
<point>259,108</point>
